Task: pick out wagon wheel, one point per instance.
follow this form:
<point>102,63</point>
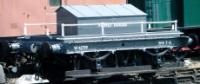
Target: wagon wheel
<point>46,67</point>
<point>157,55</point>
<point>42,60</point>
<point>4,50</point>
<point>179,56</point>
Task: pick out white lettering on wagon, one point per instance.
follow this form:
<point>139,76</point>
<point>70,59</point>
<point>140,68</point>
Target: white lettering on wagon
<point>80,48</point>
<point>163,43</point>
<point>104,25</point>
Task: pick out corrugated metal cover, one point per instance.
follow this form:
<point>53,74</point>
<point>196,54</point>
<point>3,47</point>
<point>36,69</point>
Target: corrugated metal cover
<point>73,11</point>
<point>103,10</point>
<point>86,11</point>
<point>120,10</point>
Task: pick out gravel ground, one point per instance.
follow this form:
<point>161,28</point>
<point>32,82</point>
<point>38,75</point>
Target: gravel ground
<point>12,80</point>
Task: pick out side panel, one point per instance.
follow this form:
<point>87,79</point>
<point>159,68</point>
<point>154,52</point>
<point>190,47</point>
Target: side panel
<point>191,13</point>
<point>161,10</point>
<point>14,13</point>
<point>72,48</point>
<point>113,28</point>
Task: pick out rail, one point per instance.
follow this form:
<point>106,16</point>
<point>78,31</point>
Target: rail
<point>36,24</point>
<point>103,25</point>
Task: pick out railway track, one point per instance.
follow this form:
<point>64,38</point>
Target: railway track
<point>164,76</point>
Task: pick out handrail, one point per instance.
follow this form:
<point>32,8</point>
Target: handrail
<point>102,25</point>
<point>36,24</point>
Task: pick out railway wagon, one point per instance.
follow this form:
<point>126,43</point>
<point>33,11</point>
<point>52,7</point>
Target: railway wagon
<point>184,11</point>
<point>15,14</point>
<point>95,41</point>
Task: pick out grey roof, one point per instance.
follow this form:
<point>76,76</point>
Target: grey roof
<point>103,10</point>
